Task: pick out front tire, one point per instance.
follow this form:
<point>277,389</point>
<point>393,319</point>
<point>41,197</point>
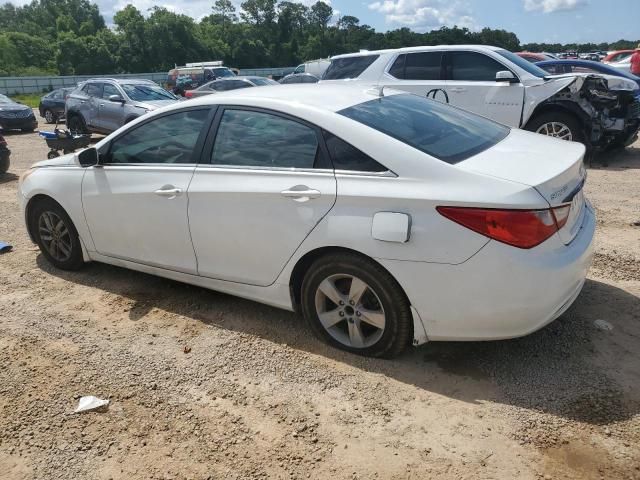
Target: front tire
<point>557,124</point>
<point>76,124</point>
<point>354,304</point>
<point>4,164</point>
<point>56,235</point>
<point>49,116</point>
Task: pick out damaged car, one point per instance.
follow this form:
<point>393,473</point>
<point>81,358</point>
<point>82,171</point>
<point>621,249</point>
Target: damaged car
<point>599,111</point>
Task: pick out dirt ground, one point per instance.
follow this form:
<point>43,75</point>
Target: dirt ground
<point>258,397</point>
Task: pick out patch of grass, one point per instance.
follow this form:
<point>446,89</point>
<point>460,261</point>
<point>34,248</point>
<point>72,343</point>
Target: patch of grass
<point>30,99</point>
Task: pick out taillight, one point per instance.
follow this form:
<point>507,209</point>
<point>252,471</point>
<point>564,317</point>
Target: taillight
<point>519,228</point>
<point>188,94</point>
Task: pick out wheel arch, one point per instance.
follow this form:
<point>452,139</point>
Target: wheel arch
<point>569,108</point>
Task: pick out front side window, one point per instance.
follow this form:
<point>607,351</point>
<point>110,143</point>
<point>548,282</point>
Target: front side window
<point>475,67</point>
<point>444,132</point>
<point>248,138</point>
<point>348,67</point>
<point>93,89</point>
<point>167,139</point>
<point>347,157</point>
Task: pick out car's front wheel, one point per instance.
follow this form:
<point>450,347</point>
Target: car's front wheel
<point>354,304</point>
<point>49,116</point>
<point>557,124</point>
<point>76,124</point>
<point>56,235</point>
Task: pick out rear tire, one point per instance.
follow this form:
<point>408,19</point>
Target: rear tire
<point>4,164</point>
<point>557,124</point>
<point>56,235</point>
<point>49,116</point>
<point>374,318</point>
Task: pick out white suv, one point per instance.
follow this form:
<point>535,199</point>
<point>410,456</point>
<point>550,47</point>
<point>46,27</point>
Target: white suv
<point>504,87</point>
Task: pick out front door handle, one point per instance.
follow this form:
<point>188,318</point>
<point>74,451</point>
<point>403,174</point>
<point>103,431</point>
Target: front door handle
<point>168,191</point>
<point>301,193</point>
<point>458,89</point>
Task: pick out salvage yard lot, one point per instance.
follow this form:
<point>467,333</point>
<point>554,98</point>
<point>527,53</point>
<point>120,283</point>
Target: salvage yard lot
<point>256,396</point>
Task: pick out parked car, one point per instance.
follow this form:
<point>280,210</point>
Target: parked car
<point>617,56</point>
<point>622,65</point>
<point>192,75</point>
<point>52,104</point>
<point>299,78</point>
<point>314,67</point>
<point>226,84</point>
<point>16,116</point>
<point>560,67</point>
<point>371,212</point>
<point>534,57</point>
<point>5,155</point>
<point>501,85</point>
<point>103,105</point>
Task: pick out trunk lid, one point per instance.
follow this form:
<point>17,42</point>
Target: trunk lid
<point>553,167</point>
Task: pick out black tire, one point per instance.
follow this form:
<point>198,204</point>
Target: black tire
<point>51,117</point>
<point>4,164</point>
<point>570,121</point>
<point>76,124</point>
<point>52,154</point>
<point>398,324</point>
<point>47,207</point>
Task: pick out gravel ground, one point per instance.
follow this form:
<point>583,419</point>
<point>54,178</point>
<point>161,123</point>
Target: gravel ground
<point>257,397</point>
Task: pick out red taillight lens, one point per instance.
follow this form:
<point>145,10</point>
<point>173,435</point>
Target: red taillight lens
<point>519,228</point>
<point>188,94</point>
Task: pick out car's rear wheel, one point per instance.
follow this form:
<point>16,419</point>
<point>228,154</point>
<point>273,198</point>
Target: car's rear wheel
<point>558,125</point>
<point>56,235</point>
<point>354,304</point>
<point>4,164</point>
<point>49,116</point>
<point>76,124</point>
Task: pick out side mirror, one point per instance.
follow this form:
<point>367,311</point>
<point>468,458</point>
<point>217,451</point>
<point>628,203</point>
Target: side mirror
<point>506,76</point>
<point>88,157</point>
<point>116,99</point>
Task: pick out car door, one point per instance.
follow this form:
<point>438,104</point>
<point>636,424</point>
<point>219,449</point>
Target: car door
<point>267,185</point>
<point>135,201</point>
<point>419,73</point>
<point>110,114</point>
<point>471,85</point>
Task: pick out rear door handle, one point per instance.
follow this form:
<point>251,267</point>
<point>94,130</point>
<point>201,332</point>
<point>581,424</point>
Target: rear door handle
<point>458,89</point>
<point>301,193</point>
<point>168,191</point>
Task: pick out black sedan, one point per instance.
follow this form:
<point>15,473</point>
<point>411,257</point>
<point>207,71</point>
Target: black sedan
<point>15,116</point>
<point>52,104</point>
<point>5,153</point>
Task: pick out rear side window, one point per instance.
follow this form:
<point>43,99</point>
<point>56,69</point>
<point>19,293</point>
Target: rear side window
<point>247,138</point>
<point>444,132</point>
<point>348,67</point>
<point>474,66</point>
<point>422,66</point>
<point>348,157</point>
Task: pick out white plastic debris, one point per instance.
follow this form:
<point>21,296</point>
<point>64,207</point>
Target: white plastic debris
<point>603,325</point>
<point>90,403</point>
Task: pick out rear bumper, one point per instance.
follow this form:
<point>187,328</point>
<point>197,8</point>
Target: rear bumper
<point>501,292</point>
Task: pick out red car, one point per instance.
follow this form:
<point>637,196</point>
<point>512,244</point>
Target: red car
<point>617,56</point>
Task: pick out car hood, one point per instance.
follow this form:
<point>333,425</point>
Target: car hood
<point>13,107</point>
<point>154,104</point>
<point>64,160</point>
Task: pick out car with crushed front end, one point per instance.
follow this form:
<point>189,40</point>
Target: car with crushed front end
<point>385,218</point>
<point>103,105</point>
<point>596,110</point>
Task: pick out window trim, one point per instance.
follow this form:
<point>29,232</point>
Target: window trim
<point>200,143</point>
<point>207,151</point>
<point>447,66</point>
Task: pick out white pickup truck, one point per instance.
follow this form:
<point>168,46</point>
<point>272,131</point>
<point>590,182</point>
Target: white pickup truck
<point>597,110</point>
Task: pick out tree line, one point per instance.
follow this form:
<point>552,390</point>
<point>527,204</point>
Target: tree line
<point>69,37</point>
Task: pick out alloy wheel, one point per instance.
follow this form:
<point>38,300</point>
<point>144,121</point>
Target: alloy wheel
<point>350,311</point>
<point>48,116</point>
<point>556,129</point>
<point>55,236</point>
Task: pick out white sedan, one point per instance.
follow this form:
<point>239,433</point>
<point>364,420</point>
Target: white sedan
<point>383,217</point>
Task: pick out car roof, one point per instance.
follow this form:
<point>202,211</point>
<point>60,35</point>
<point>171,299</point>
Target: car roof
<point>330,97</point>
<point>417,49</point>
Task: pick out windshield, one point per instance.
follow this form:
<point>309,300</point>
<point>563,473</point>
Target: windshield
<point>523,64</point>
<point>263,81</point>
<point>444,132</point>
<point>223,72</point>
<point>143,92</point>
<point>5,99</point>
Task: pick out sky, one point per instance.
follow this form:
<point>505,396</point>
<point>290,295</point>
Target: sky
<point>551,21</point>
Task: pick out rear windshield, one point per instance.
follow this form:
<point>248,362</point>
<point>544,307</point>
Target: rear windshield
<point>444,132</point>
<point>348,67</point>
<point>144,92</point>
<point>263,81</point>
